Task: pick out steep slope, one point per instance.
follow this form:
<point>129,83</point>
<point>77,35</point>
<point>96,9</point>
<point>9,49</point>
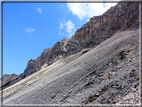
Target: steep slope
<point>121,17</point>
<point>78,78</point>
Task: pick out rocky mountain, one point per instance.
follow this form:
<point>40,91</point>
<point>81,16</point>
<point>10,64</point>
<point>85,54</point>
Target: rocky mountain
<point>98,65</point>
<point>123,16</point>
<point>7,78</point>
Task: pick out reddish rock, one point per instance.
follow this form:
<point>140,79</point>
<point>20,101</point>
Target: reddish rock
<point>120,17</point>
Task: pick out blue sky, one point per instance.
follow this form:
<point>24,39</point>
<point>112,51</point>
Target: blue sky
<point>29,28</point>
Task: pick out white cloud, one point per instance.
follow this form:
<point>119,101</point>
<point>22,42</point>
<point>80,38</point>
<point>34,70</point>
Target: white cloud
<point>84,10</point>
<point>61,32</point>
<point>61,25</point>
<point>39,10</point>
<point>69,28</point>
<point>30,30</point>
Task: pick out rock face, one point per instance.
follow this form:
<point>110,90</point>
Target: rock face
<point>120,17</point>
<point>7,78</point>
<point>33,66</point>
<point>123,16</point>
<point>44,56</point>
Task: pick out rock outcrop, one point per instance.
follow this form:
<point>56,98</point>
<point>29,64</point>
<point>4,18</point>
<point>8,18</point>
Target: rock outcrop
<point>32,67</point>
<point>120,17</point>
<point>123,16</point>
<point>44,56</point>
<point>7,78</point>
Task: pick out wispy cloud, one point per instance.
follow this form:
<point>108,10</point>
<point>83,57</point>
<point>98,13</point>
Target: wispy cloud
<point>39,10</point>
<point>85,10</point>
<point>30,30</point>
<point>61,33</point>
<point>61,25</point>
<point>69,28</point>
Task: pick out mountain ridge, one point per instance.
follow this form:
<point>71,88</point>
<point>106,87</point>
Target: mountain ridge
<point>121,17</point>
<point>101,67</point>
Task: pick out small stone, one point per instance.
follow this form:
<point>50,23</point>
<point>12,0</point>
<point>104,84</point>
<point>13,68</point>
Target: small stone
<point>133,70</point>
<point>135,58</point>
<point>110,63</point>
<point>97,94</point>
<point>70,91</point>
<point>129,60</point>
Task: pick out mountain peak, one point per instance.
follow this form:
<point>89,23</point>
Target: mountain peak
<point>64,39</point>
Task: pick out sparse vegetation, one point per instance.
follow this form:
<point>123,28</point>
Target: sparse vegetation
<point>102,101</point>
<point>138,78</point>
<point>117,47</point>
<point>136,84</point>
<point>129,90</point>
<point>24,84</point>
<point>86,102</point>
<point>66,57</point>
<point>128,51</point>
<point>125,77</point>
<point>132,74</point>
<point>112,95</point>
<point>58,57</point>
<point>122,55</point>
<point>104,88</point>
<point>89,44</point>
<point>91,98</point>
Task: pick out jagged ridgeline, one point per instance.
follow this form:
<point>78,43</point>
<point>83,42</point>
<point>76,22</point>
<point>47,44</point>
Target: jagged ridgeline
<point>98,65</point>
<point>123,16</point>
